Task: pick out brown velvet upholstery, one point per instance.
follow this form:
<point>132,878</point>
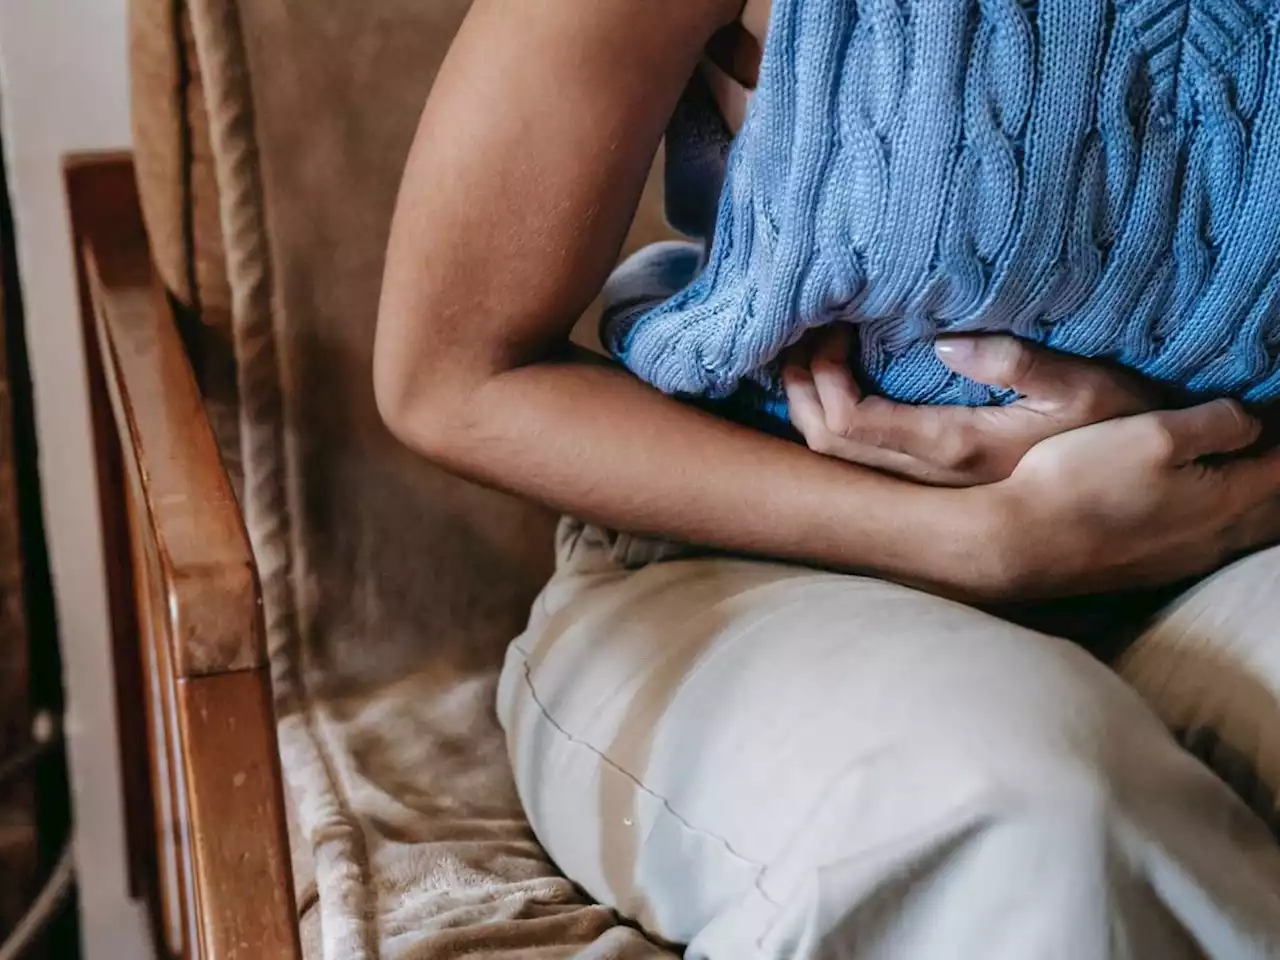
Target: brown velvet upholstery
<point>178,190</point>
<point>173,158</point>
<point>391,588</point>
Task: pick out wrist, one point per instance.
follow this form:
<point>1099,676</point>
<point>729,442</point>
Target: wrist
<point>956,542</point>
<point>983,539</point>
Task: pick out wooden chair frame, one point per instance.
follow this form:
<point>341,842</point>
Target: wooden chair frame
<point>209,846</point>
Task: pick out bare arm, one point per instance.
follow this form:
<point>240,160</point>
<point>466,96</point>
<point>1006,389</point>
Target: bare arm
<point>528,165</point>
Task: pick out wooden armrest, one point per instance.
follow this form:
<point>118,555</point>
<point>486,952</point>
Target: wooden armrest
<point>170,454</point>
<point>207,826</point>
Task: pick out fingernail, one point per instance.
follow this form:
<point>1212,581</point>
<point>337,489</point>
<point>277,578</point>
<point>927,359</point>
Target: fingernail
<point>956,348</point>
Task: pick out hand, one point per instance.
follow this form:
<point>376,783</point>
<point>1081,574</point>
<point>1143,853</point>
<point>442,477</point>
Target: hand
<point>950,445</point>
<point>1134,502</point>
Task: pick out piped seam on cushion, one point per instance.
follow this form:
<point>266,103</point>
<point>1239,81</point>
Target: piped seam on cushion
<point>759,867</point>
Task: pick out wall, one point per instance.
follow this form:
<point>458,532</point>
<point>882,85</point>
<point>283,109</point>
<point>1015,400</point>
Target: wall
<point>63,88</point>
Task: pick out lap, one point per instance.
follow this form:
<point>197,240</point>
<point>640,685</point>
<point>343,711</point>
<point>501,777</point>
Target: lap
<point>691,731</point>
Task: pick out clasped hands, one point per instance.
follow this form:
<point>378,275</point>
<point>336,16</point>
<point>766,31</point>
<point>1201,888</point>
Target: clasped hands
<point>1090,481</point>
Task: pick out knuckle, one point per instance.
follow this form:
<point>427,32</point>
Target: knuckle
<point>876,435</point>
<point>1099,394</point>
<point>869,424</point>
<point>841,423</point>
<point>994,469</point>
<point>956,451</point>
<point>1091,402</point>
<point>1157,439</point>
<point>1011,359</point>
<point>820,441</point>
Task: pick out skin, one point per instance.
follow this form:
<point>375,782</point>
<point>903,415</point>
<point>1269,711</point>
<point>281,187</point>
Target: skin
<point>485,279</point>
<point>953,446</point>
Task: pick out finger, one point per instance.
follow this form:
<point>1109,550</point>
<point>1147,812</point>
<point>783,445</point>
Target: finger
<point>803,403</point>
<point>997,361</point>
<point>1052,382</point>
<point>808,417</point>
<point>833,379</point>
<point>1184,436</point>
<point>873,422</point>
<point>943,437</point>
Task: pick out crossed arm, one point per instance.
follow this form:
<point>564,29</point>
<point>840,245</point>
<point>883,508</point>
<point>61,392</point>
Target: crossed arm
<point>528,165</point>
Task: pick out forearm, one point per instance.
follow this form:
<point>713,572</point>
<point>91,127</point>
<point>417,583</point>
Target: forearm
<point>509,220</point>
<point>590,440</point>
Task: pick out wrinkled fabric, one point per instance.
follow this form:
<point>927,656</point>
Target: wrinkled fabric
<point>390,588</point>
<point>768,762</point>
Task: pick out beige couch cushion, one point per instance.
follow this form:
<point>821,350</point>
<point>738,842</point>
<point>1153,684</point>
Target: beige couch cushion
<point>391,589</point>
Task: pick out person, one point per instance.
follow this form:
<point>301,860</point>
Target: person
<point>819,732</point>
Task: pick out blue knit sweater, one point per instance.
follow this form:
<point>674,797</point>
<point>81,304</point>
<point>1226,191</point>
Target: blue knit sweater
<point>1102,176</point>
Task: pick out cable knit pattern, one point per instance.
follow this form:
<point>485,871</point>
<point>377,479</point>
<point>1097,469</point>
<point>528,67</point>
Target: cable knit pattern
<point>1101,176</point>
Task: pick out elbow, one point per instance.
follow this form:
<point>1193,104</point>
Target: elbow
<point>410,392</point>
<point>393,403</point>
<point>392,377</point>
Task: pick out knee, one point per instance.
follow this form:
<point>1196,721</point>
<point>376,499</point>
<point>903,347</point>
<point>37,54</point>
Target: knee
<point>1067,754</point>
<point>1060,784</point>
<point>1016,785</point>
<point>1021,818</point>
<point>1065,799</point>
<point>1007,789</point>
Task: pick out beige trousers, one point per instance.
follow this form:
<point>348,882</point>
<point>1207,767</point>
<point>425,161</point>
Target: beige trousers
<point>766,761</point>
